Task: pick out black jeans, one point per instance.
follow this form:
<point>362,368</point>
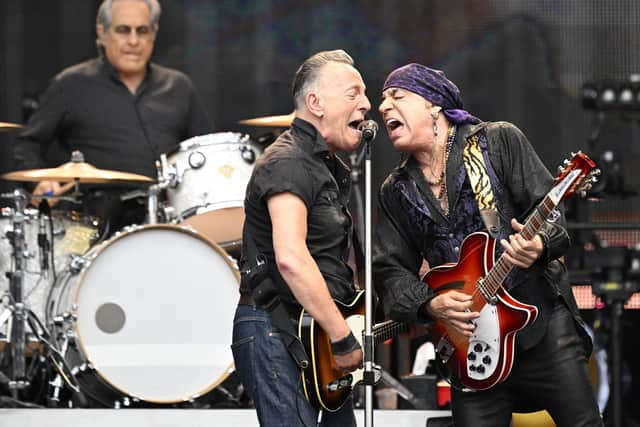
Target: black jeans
<point>553,375</point>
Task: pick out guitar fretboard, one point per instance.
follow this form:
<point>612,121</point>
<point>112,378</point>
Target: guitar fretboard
<point>498,274</point>
<point>387,330</point>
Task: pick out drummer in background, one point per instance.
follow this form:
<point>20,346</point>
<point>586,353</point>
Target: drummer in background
<point>119,109</point>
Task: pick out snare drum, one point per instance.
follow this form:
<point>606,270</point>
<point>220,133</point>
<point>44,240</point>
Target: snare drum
<point>66,233</point>
<point>209,176</point>
<point>151,311</point>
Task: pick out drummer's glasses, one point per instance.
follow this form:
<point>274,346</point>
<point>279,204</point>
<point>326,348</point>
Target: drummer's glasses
<point>143,31</point>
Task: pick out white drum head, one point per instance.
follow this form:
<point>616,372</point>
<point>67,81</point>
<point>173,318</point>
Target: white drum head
<point>155,312</point>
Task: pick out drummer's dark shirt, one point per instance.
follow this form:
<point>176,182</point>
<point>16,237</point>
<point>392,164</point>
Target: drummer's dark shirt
<point>300,163</point>
<point>87,108</point>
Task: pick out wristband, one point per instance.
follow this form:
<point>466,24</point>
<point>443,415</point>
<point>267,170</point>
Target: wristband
<point>345,346</point>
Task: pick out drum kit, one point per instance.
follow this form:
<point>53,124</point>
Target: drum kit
<point>142,318</point>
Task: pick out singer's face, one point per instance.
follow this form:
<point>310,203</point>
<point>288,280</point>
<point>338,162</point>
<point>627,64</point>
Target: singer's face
<point>407,117</point>
<point>341,93</point>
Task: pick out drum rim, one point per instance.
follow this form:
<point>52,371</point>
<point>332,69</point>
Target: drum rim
<point>195,141</point>
<point>92,254</point>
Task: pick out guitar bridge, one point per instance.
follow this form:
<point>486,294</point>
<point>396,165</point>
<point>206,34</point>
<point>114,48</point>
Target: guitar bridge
<point>445,349</point>
<point>340,383</point>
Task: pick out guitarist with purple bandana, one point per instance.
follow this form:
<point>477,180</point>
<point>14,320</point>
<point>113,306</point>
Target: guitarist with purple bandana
<point>427,207</point>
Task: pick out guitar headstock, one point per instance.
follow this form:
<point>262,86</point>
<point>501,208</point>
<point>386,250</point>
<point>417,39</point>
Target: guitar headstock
<point>576,175</point>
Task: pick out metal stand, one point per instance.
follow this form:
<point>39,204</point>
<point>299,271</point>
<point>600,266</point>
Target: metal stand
<point>17,310</point>
<point>18,315</point>
<point>615,293</point>
<point>369,375</point>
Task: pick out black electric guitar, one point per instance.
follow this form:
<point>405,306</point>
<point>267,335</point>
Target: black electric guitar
<point>326,387</point>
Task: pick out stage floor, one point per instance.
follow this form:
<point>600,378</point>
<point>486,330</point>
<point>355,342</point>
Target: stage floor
<point>182,417</point>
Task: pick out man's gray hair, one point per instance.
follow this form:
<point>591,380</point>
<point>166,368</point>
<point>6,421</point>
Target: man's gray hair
<point>105,17</point>
<point>307,74</point>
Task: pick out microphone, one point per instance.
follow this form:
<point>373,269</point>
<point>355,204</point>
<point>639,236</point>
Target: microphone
<point>43,213</point>
<point>369,129</point>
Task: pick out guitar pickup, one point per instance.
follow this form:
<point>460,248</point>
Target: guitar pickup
<point>445,349</point>
<point>340,383</point>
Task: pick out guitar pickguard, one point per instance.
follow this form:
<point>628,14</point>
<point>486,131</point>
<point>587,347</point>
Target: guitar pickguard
<point>356,324</point>
<point>483,352</point>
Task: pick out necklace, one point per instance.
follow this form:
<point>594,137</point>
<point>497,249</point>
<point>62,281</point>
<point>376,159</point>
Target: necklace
<point>445,155</point>
<point>442,195</point>
<point>440,178</point>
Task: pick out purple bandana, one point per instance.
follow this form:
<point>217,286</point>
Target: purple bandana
<point>433,86</point>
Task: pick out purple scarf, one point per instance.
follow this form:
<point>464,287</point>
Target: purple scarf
<point>433,86</point>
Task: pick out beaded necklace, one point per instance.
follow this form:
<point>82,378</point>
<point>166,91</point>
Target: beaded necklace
<point>442,195</point>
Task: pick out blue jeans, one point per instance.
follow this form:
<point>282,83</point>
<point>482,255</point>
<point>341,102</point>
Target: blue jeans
<point>271,377</point>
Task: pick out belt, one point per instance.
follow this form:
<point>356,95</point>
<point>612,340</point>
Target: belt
<point>246,298</point>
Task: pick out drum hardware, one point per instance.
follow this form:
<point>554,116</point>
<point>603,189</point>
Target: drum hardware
<point>151,194</point>
<point>26,336</point>
<point>272,121</point>
<point>155,189</point>
<point>17,310</point>
<point>18,315</point>
<point>69,378</point>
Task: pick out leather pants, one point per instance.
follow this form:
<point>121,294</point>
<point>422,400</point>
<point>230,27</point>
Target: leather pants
<point>553,375</point>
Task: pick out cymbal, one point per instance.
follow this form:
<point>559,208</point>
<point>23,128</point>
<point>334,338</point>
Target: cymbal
<point>75,171</point>
<point>8,127</point>
<point>274,121</point>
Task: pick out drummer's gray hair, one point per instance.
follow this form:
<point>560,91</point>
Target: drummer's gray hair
<point>105,14</point>
<point>308,72</point>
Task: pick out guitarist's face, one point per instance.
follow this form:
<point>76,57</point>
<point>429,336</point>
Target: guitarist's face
<point>409,119</point>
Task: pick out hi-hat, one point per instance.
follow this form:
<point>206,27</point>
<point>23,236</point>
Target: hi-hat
<point>78,171</point>
<point>274,121</point>
<point>8,127</point>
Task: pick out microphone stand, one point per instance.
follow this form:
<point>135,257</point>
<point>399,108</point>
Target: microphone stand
<point>368,375</point>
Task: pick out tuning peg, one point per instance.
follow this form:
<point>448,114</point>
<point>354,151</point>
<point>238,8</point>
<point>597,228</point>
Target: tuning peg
<point>560,170</point>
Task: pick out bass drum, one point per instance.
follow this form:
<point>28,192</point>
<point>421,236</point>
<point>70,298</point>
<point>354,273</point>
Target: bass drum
<point>150,312</point>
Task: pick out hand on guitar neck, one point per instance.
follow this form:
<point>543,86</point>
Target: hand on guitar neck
<point>518,250</point>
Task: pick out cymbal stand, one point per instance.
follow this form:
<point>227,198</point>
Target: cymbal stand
<point>17,320</point>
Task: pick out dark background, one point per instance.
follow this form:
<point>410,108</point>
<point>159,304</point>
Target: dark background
<point>517,60</point>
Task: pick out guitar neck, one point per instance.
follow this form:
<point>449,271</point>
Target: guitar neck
<point>501,269</point>
<point>387,330</point>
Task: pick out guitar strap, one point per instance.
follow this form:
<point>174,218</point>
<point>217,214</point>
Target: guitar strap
<point>475,164</point>
<point>255,279</point>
